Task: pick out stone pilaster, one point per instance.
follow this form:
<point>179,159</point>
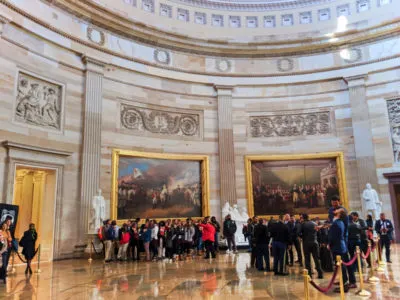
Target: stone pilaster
<point>364,147</point>
<point>225,146</point>
<point>91,156</point>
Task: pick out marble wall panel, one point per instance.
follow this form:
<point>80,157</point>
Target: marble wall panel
<point>12,59</point>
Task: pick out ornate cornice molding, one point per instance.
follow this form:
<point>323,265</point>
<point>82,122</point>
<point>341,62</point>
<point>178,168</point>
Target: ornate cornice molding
<point>30,148</point>
<point>145,34</point>
<point>234,5</point>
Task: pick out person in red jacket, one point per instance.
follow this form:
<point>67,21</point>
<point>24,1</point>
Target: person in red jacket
<point>208,237</point>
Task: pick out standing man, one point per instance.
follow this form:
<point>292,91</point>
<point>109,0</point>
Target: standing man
<point>363,234</point>
<point>215,223</point>
<point>384,228</point>
<point>280,239</point>
<point>310,245</point>
<point>229,232</point>
<point>338,246</point>
<point>261,237</point>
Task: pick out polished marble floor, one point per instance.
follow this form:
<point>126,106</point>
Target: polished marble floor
<point>227,277</point>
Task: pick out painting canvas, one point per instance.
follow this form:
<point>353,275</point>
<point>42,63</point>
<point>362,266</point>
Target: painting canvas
<point>294,186</point>
<point>8,210</point>
<point>150,187</point>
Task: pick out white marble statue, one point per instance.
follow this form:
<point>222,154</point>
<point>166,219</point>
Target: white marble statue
<point>226,210</point>
<point>371,201</point>
<point>240,220</point>
<point>245,215</point>
<point>98,212</point>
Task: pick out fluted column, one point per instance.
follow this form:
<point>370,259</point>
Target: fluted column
<point>225,146</point>
<point>91,156</point>
<point>364,147</point>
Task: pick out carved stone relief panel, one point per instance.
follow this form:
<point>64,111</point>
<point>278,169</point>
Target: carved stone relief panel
<point>39,102</point>
<point>289,125</point>
<point>161,120</point>
<point>394,121</point>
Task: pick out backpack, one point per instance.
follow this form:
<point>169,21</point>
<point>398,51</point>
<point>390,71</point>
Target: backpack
<point>100,233</point>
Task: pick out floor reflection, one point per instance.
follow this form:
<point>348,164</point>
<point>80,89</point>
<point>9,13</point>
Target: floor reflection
<point>227,277</point>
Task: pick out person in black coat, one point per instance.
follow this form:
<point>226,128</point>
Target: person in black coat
<point>28,242</point>
<point>261,236</point>
<point>280,237</point>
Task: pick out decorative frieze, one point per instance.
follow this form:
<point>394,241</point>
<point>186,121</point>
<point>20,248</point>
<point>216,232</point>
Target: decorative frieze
<point>289,125</point>
<point>39,102</point>
<point>394,121</point>
<point>160,121</point>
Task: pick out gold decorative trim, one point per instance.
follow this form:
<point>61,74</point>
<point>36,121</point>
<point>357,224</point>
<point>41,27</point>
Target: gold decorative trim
<point>340,172</point>
<point>205,176</point>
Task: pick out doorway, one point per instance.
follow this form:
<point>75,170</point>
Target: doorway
<point>35,194</point>
<point>394,189</point>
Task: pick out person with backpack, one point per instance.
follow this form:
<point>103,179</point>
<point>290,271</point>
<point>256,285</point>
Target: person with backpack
<point>229,233</point>
<point>109,238</point>
<point>161,240</point>
<point>248,231</point>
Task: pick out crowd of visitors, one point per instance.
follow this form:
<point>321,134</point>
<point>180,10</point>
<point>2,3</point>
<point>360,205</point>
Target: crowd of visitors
<point>177,240</point>
<point>170,239</point>
<point>281,239</point>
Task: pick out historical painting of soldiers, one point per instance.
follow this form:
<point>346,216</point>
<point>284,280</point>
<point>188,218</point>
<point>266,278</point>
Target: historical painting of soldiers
<point>38,102</point>
<point>294,186</point>
<point>158,188</point>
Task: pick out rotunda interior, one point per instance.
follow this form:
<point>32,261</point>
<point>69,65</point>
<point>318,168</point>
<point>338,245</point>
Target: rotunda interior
<point>137,110</point>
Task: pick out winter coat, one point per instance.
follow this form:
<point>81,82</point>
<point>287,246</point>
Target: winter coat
<point>229,228</point>
<point>208,232</point>
<point>189,233</point>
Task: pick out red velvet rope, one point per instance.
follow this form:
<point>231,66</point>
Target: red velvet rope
<point>351,261</point>
<point>367,254</point>
<point>326,289</point>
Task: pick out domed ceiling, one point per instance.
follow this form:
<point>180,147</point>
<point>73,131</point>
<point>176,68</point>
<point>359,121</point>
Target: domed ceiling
<point>251,5</point>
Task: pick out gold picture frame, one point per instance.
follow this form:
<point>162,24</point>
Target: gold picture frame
<point>328,155</point>
<point>204,176</point>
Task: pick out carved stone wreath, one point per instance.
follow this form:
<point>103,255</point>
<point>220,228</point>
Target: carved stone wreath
<point>317,123</point>
<point>96,36</point>
<point>159,122</point>
<point>285,64</point>
<point>162,56</point>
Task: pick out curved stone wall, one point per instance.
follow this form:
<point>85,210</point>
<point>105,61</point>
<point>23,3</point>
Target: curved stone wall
<point>52,46</point>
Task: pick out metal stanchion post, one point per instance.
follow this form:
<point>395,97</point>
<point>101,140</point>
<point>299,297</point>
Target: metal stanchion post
<point>373,278</point>
<point>339,264</point>
<point>90,251</point>
<point>380,264</point>
<point>306,284</point>
<point>361,292</point>
<point>12,271</point>
<point>38,268</point>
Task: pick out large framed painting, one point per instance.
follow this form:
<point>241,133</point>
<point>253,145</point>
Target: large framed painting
<point>295,184</point>
<point>159,185</point>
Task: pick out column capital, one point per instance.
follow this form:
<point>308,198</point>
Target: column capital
<point>357,80</point>
<point>224,90</point>
<point>93,64</point>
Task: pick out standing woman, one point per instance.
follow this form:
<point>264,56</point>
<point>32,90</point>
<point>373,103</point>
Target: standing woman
<point>7,240</point>
<point>28,242</point>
